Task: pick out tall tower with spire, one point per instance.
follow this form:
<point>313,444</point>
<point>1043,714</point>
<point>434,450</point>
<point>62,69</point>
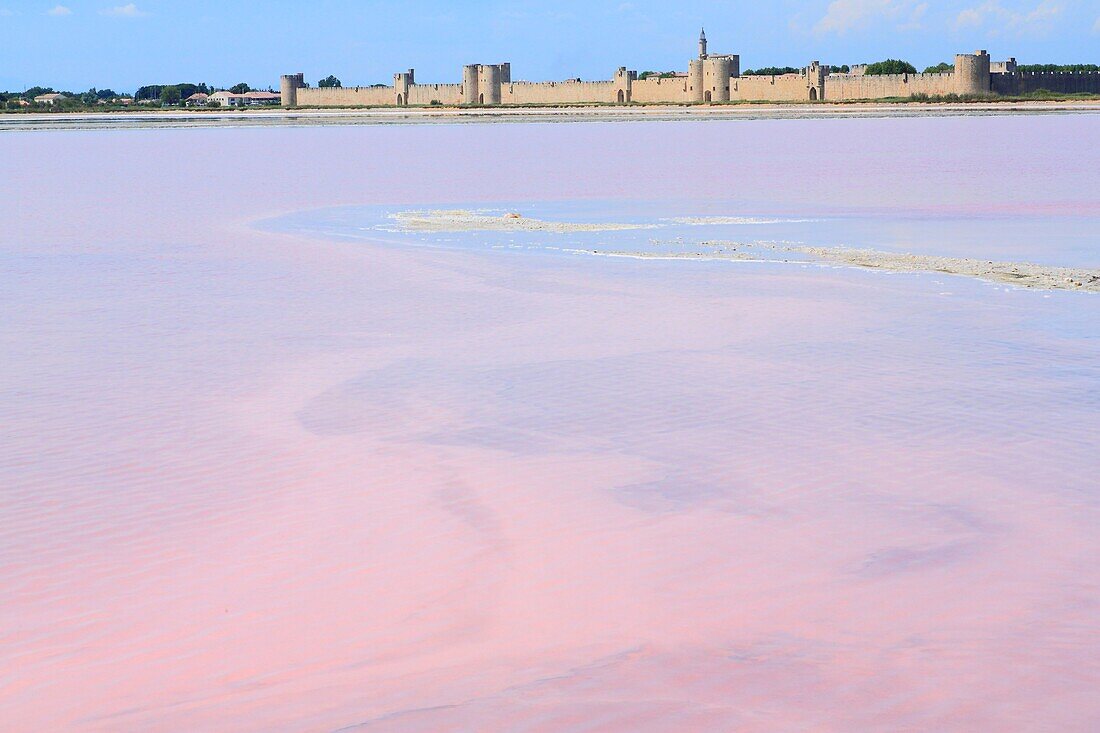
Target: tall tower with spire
<point>702,43</point>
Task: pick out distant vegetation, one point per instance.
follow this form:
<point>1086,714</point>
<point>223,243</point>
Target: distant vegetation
<point>890,66</point>
<point>70,101</point>
<point>771,71</point>
<point>1038,94</point>
<point>330,81</point>
<point>941,68</point>
<point>844,69</point>
<point>657,74</point>
<point>150,95</point>
<point>158,92</point>
<point>1057,67</point>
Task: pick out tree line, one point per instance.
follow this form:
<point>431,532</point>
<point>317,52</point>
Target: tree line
<point>157,93</point>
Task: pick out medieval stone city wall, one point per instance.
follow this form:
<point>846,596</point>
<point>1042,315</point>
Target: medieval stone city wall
<point>1026,82</point>
<point>849,86</point>
<point>709,79</point>
<point>345,96</point>
<point>427,94</point>
<point>559,92</point>
<point>784,88</point>
<point>654,90</point>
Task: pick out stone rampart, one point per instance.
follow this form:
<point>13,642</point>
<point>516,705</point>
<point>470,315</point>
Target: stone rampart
<point>709,79</point>
<point>1062,82</point>
<point>852,86</point>
<point>559,92</point>
<point>345,96</point>
<point>653,90</point>
<point>782,88</point>
<point>426,94</point>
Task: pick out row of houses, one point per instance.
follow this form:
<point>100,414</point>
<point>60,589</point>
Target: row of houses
<point>229,99</point>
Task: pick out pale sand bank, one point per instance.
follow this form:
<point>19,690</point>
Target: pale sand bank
<point>1019,274</point>
<point>460,220</point>
<point>453,115</point>
<point>698,221</point>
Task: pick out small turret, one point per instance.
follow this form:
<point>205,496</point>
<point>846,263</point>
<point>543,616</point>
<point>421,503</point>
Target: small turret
<point>702,43</point>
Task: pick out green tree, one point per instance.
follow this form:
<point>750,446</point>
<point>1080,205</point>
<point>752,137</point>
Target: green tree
<point>941,68</point>
<point>148,92</point>
<point>33,92</point>
<point>170,95</point>
<point>890,66</point>
<point>771,71</point>
<point>329,81</point>
<point>241,88</point>
<point>1057,67</point>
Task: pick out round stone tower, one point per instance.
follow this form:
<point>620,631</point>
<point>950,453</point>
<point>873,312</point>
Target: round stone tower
<point>717,78</point>
<point>489,84</point>
<point>469,84</point>
<point>289,84</point>
<point>972,73</point>
<point>695,80</point>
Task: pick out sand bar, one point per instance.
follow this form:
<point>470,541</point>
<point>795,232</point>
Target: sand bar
<point>1019,274</point>
<point>453,115</point>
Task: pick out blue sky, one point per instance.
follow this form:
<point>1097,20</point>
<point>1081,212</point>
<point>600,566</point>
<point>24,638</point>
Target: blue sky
<point>76,44</point>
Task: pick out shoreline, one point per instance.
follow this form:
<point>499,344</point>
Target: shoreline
<point>453,115</point>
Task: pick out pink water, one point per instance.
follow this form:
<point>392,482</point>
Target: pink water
<point>251,481</point>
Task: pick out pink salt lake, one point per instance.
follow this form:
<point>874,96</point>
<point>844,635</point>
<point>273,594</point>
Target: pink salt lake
<point>255,477</point>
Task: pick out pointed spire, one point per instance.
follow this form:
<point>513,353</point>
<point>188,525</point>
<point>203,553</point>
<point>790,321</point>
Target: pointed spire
<point>702,43</point>
<point>702,34</point>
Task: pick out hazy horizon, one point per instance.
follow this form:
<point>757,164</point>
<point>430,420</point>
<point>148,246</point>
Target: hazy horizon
<point>122,45</point>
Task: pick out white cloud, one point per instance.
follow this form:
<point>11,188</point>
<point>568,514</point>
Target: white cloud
<point>996,19</point>
<point>5,13</point>
<point>844,15</point>
<point>124,11</point>
<point>59,10</point>
<point>1096,26</point>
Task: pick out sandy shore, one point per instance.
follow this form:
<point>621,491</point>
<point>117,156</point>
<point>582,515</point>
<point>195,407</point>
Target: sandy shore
<point>393,115</point>
<point>1018,274</point>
